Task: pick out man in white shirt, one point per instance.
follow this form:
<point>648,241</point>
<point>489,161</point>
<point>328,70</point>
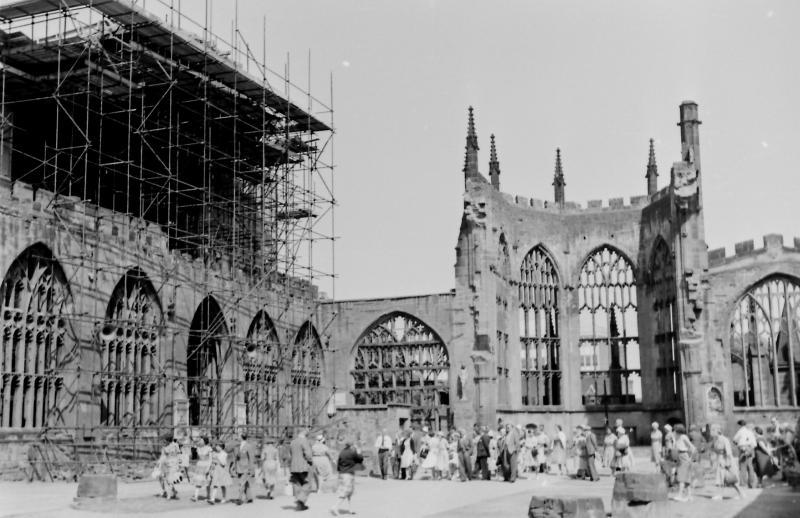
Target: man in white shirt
<point>384,446</point>
<point>745,440</point>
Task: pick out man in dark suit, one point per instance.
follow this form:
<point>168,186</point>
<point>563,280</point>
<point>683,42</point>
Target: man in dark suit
<point>482,454</point>
<point>299,467</point>
<point>245,466</point>
<point>591,452</point>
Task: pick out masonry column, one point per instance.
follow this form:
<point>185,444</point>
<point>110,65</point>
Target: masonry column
<point>691,262</point>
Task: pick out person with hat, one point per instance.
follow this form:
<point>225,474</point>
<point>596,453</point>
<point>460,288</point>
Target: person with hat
<point>321,456</point>
<point>623,459</point>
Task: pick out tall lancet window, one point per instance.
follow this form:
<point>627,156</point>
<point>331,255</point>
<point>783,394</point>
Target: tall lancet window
<point>663,293</point>
<point>540,342</point>
<point>765,344</point>
<point>609,341</point>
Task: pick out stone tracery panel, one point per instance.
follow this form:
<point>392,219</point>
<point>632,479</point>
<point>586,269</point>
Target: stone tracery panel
<point>765,344</point>
<point>400,359</point>
<point>306,375</point>
<point>540,342</point>
<point>37,343</point>
<point>608,321</point>
<point>130,344</point>
<point>261,365</point>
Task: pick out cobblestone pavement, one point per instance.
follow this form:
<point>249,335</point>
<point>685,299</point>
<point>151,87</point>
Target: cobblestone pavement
<point>383,499</point>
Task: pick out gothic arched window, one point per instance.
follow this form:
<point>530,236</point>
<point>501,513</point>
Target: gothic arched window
<point>37,343</point>
<point>540,342</point>
<point>306,375</point>
<point>765,344</point>
<point>663,294</point>
<point>399,359</point>
<point>130,346</point>
<point>207,335</point>
<point>609,341</point>
<point>261,364</point>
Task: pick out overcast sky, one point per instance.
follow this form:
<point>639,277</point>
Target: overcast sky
<point>596,78</point>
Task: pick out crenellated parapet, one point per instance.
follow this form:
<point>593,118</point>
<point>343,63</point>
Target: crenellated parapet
<point>747,249</point>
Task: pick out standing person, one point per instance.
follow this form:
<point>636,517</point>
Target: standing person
<point>512,445</point>
<point>170,472</point>
<point>452,454</point>
<point>542,445</point>
<point>686,450</point>
<point>443,457</point>
<point>493,453</point>
<point>383,445</point>
<point>321,460</point>
<point>464,450</point>
<point>285,455</point>
<point>669,444</point>
<point>724,461</point>
<point>623,459</point>
<point>656,446</point>
<point>397,451</point>
<point>270,463</point>
<point>482,454</point>
<point>431,451</point>
<point>745,440</point>
<point>201,473</point>
<point>244,459</point>
<point>349,461</point>
<point>220,475</point>
<point>579,448</point>
<point>407,457</point>
<point>765,463</point>
<point>609,449</point>
<point>299,466</point>
<point>558,456</point>
<point>591,453</point>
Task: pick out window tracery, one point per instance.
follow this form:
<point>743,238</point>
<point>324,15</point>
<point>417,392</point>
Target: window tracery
<point>306,375</point>
<point>261,365</point>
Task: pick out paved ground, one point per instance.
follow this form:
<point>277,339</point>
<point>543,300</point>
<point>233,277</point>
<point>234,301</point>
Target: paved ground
<point>379,499</point>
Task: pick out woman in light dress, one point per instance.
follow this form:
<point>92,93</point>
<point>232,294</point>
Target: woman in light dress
<point>321,458</point>
<point>452,453</point>
<point>726,467</point>
<point>656,446</point>
<point>220,473</point>
<point>542,449</point>
<point>431,461</point>
<point>609,448</point>
<point>200,473</point>
<point>526,448</point>
<point>168,468</point>
<point>443,456</point>
<point>270,464</point>
<point>623,458</point>
<point>558,455</point>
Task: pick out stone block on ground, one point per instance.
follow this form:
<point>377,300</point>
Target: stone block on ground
<point>566,507</point>
<point>640,487</point>
<point>97,486</point>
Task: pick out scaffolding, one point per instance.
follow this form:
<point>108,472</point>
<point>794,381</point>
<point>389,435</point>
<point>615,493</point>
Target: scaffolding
<point>155,117</point>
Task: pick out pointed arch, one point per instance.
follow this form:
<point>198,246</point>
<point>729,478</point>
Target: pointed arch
<point>261,365</point>
<point>38,345</point>
<point>207,333</point>
<point>306,375</point>
<point>400,359</point>
<point>540,340</point>
<point>130,345</point>
<point>662,290</point>
<point>608,321</point>
<point>765,344</point>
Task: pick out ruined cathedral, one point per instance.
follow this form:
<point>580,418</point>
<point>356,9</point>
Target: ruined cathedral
<point>159,205</point>
<point>569,314</point>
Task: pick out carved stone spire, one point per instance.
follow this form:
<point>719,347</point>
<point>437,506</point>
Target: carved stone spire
<point>558,179</point>
<point>471,155</point>
<point>652,171</point>
<point>494,166</point>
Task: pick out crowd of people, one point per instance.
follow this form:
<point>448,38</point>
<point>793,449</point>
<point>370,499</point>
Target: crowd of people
<point>752,458</point>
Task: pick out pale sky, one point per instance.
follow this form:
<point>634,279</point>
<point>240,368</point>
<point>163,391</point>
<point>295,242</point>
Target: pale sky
<point>595,78</point>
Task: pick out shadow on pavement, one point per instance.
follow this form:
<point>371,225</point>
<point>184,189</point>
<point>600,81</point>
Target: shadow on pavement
<point>778,502</point>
